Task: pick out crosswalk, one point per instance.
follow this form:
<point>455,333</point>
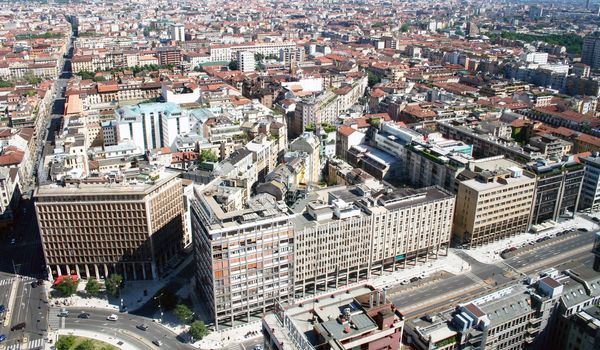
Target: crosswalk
<point>9,281</point>
<point>31,345</point>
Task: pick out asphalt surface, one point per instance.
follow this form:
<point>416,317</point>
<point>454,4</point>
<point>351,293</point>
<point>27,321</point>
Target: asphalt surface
<point>443,294</point>
<point>124,328</point>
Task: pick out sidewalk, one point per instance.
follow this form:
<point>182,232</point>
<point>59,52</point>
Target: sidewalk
<point>490,253</point>
<point>132,294</point>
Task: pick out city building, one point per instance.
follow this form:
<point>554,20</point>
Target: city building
<point>246,62</point>
<point>360,318</point>
<point>494,201</point>
<point>590,52</point>
<point>584,330</point>
<point>557,189</point>
<point>590,189</point>
<point>177,32</point>
<point>129,224</point>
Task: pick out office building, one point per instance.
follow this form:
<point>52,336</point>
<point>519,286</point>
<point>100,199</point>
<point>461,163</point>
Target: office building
<point>494,201</point>
<point>590,190</point>
<point>557,189</point>
<point>348,234</point>
<point>243,253</point>
<point>253,252</point>
<point>584,330</point>
<point>590,52</point>
<point>104,225</point>
<point>177,32</point>
<point>360,318</point>
<point>246,62</point>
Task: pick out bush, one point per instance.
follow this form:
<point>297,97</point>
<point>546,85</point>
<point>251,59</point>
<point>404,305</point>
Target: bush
<point>85,345</point>
<point>65,342</point>
<point>67,287</point>
<point>92,287</point>
<point>113,284</point>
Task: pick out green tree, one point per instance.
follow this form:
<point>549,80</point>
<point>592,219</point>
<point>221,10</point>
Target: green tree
<point>208,155</point>
<point>65,342</point>
<point>87,344</point>
<point>92,287</point>
<point>5,84</point>
<point>404,28</point>
<point>168,299</point>
<point>198,330</point>
<point>373,79</point>
<point>86,75</point>
<point>67,287</point>
<point>113,284</point>
<point>233,65</point>
<point>184,313</point>
<point>32,79</point>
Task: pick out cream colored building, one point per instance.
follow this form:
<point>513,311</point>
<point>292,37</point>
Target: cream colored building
<point>495,204</point>
<point>101,226</point>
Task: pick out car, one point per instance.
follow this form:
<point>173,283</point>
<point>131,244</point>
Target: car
<point>142,327</point>
<point>2,338</point>
<point>34,284</point>
<point>157,342</point>
<point>63,313</point>
<point>596,219</point>
<point>85,315</point>
<point>18,326</point>
<point>2,309</point>
<point>13,241</point>
<point>112,317</point>
<point>582,229</point>
<point>258,347</point>
<point>414,279</point>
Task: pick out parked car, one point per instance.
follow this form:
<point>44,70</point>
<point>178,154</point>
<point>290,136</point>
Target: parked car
<point>582,229</point>
<point>112,317</point>
<point>2,309</point>
<point>157,342</point>
<point>2,338</point>
<point>84,315</point>
<point>142,327</point>
<point>18,327</point>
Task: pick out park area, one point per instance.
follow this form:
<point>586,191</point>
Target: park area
<point>70,342</point>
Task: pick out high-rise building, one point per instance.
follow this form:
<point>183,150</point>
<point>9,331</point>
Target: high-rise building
<point>169,55</point>
<point>494,204</point>
<point>590,190</point>
<point>472,29</point>
<point>110,225</point>
<point>252,253</point>
<point>177,32</point>
<point>246,62</point>
<point>590,52</point>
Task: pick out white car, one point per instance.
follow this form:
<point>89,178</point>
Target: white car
<point>112,317</point>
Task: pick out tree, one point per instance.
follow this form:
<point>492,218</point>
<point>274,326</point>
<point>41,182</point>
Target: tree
<point>5,84</point>
<point>168,300</point>
<point>208,155</point>
<point>113,284</point>
<point>373,79</point>
<point>198,330</point>
<point>92,287</point>
<point>65,342</point>
<point>67,287</point>
<point>233,65</point>
<point>87,344</point>
<point>184,313</point>
<point>404,28</point>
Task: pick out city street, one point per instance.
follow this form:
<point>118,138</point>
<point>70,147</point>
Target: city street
<point>437,295</point>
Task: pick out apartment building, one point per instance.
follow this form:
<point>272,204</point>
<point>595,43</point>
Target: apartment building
<point>104,225</point>
<point>590,53</point>
<point>169,55</point>
<point>244,254</point>
<point>557,189</point>
<point>246,61</point>
<point>229,52</point>
<point>494,201</point>
<point>360,318</point>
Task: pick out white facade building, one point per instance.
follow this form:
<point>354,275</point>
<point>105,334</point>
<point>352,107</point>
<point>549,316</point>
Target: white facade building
<point>246,62</point>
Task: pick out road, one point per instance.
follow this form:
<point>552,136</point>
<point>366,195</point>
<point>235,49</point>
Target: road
<point>124,328</point>
<point>441,294</point>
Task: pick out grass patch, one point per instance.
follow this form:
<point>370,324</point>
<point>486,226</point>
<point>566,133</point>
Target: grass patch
<point>71,342</point>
